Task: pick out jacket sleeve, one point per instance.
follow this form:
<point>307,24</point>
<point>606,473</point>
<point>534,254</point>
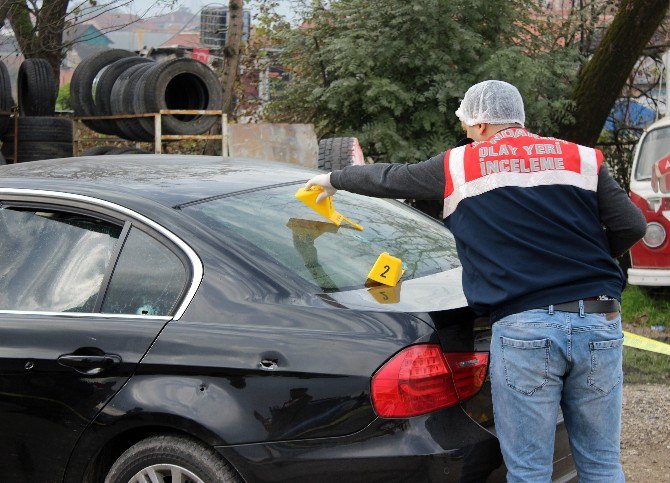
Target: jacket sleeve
<point>424,180</point>
<point>624,223</point>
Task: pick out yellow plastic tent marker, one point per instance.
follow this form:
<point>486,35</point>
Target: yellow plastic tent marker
<point>386,295</point>
<point>325,208</point>
<point>387,270</point>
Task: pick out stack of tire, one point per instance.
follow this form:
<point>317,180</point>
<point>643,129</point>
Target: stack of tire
<point>116,82</point>
<point>336,153</point>
<point>40,134</point>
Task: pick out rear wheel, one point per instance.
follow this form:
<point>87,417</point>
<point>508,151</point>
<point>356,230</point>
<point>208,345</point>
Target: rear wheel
<point>336,153</point>
<point>169,459</point>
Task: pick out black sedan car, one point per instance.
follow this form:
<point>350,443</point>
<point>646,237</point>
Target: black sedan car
<point>186,319</point>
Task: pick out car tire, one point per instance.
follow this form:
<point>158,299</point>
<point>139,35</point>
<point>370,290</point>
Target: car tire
<point>6,99</point>
<point>81,86</point>
<point>127,150</point>
<point>108,78</point>
<point>336,153</point>
<point>37,150</point>
<point>162,453</point>
<point>123,93</point>
<point>96,151</point>
<point>36,88</point>
<point>42,129</point>
<point>179,84</point>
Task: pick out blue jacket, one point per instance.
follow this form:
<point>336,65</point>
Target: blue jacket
<point>527,213</point>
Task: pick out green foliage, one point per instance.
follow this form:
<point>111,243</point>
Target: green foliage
<point>645,307</point>
<point>63,99</point>
<point>392,72</point>
<point>644,367</point>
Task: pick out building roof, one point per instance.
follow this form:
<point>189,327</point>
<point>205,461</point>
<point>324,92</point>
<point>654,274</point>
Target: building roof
<point>85,33</point>
<point>183,39</point>
<point>138,39</point>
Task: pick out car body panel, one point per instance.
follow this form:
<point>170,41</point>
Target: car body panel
<point>45,406</point>
<point>168,180</point>
<point>309,411</point>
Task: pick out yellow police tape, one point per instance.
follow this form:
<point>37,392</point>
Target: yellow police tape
<point>644,343</point>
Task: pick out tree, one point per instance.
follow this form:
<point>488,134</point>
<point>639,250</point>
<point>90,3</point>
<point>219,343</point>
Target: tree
<point>231,51</point>
<point>602,79</point>
<point>230,65</point>
<point>39,26</point>
<point>44,38</point>
<point>391,72</point>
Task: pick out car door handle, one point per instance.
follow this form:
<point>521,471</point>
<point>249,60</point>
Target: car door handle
<point>89,365</point>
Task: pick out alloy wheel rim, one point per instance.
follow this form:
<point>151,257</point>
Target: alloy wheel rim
<point>164,473</point>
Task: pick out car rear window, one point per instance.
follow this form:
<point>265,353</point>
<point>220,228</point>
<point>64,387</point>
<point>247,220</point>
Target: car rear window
<point>656,145</point>
<point>334,258</point>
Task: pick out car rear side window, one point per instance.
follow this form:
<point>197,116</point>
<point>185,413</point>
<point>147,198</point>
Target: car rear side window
<point>53,261</point>
<point>148,278</point>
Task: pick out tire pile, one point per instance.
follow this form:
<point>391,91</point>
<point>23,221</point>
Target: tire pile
<point>40,135</point>
<point>115,82</point>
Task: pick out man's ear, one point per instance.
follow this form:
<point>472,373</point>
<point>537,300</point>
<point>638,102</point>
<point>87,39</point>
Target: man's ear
<point>481,128</point>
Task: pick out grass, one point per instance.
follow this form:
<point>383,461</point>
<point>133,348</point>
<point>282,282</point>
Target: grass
<point>643,310</point>
<point>641,367</point>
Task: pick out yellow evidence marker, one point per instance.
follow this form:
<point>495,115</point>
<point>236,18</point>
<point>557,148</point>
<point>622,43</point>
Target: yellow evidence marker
<point>386,295</point>
<point>387,270</point>
<point>325,208</point>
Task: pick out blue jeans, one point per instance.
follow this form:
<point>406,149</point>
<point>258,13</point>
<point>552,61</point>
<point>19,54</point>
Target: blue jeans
<point>540,359</point>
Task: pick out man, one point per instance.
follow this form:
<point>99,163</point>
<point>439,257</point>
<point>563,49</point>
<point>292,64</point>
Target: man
<point>527,213</point>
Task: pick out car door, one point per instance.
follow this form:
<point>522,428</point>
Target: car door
<point>73,325</point>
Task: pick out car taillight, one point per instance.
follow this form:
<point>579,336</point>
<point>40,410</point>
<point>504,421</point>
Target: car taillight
<point>421,379</point>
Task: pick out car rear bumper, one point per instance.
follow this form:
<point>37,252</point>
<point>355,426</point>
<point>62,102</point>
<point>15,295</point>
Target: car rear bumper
<point>653,277</point>
<point>443,446</point>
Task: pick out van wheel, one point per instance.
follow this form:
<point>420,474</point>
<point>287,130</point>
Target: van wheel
<point>169,459</point>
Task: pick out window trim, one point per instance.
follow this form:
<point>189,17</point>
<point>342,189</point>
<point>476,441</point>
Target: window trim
<point>113,260</point>
<point>196,265</point>
<point>98,315</point>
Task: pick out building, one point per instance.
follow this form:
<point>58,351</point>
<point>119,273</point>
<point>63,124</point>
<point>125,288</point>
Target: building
<point>81,40</point>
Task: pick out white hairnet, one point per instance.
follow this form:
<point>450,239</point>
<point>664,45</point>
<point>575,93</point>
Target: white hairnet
<point>492,102</point>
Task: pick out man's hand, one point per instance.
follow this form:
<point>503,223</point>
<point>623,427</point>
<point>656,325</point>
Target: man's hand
<point>322,180</point>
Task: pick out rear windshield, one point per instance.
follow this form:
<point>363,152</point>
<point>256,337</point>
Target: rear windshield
<point>656,145</point>
<point>334,258</point>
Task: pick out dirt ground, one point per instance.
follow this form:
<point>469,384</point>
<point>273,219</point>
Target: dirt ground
<point>645,432</point>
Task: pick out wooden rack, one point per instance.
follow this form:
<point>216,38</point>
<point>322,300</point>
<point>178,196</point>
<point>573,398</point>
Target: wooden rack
<point>159,137</point>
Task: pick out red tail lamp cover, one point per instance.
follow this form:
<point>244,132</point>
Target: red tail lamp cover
<point>421,379</point>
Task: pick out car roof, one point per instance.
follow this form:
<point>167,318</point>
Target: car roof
<point>167,179</point>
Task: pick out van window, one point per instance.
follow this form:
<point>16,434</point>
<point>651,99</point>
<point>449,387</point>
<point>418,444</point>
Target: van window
<point>656,145</point>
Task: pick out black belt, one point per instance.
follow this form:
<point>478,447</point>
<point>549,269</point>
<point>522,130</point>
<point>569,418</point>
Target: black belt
<point>590,306</point>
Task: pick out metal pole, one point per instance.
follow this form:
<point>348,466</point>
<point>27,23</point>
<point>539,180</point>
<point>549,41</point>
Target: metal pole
<point>158,147</point>
<point>75,138</point>
<point>224,134</point>
<point>666,65</point>
<point>16,136</point>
